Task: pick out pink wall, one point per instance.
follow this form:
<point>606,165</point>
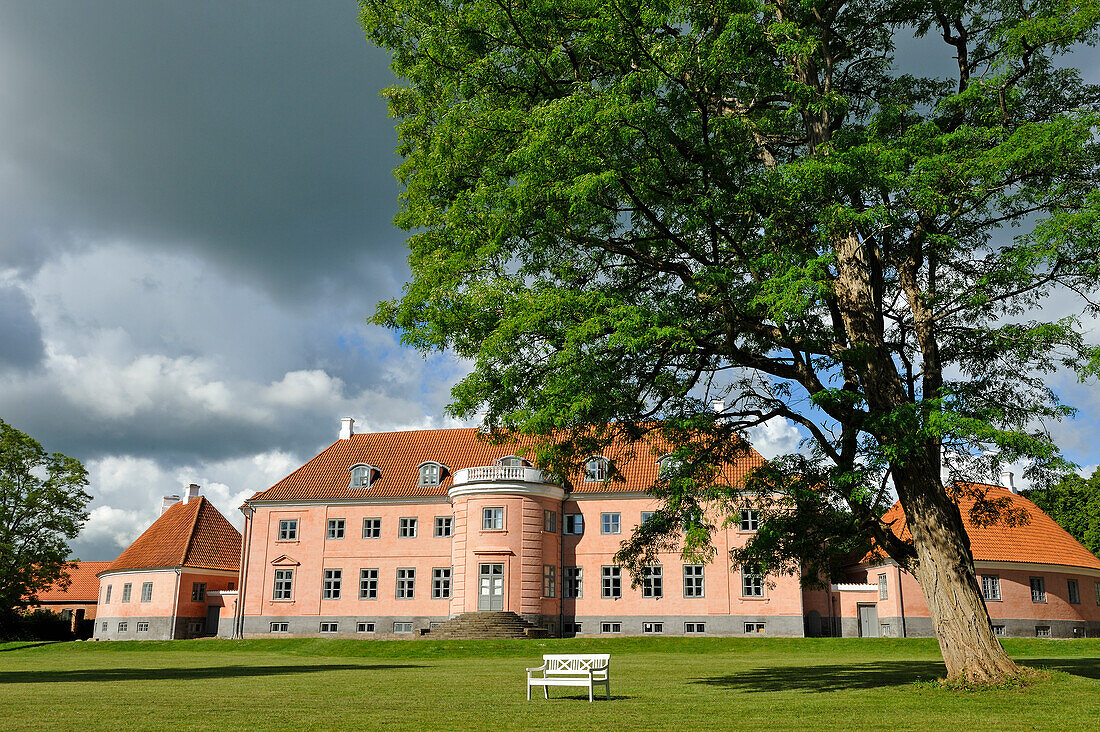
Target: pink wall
<point>165,595</point>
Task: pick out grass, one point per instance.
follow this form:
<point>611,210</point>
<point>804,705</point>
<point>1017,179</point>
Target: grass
<point>656,683</point>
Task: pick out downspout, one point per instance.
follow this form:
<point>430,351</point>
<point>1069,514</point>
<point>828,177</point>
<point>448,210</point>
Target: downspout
<point>246,546</point>
<point>901,604</point>
<point>175,606</point>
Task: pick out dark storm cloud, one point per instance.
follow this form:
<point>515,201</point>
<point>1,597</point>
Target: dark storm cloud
<point>250,132</point>
<point>20,336</point>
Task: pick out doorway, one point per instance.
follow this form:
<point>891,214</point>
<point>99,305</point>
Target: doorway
<point>868,621</point>
<point>490,587</point>
<point>213,617</point>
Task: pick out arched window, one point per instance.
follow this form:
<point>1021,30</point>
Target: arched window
<point>595,469</point>
<point>667,465</point>
<point>363,475</point>
<point>513,462</point>
<point>431,473</point>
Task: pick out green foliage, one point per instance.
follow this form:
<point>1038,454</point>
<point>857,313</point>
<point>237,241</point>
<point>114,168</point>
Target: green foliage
<point>619,211</point>
<point>42,505</point>
<point>1074,503</point>
<point>40,625</point>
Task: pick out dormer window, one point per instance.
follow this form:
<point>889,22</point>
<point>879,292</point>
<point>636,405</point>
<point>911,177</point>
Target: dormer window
<point>595,469</point>
<point>362,476</point>
<point>431,473</point>
<point>667,464</point>
<point>513,462</point>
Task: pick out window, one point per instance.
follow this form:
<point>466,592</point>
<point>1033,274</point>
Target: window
<point>230,586</point>
<point>755,628</point>
<point>441,583</point>
<point>362,627</point>
<point>280,627</point>
<point>122,627</point>
<point>444,526</point>
<point>595,470</point>
<point>1042,631</point>
<point>611,582</point>
<point>143,627</point>
<point>126,588</point>
<point>885,630</point>
<point>574,524</point>
<point>693,580</point>
<point>107,599</point>
<point>1038,589</point>
<point>752,581</point>
<point>361,476</point>
<point>647,515</point>
<point>330,589</point>
<point>991,587</point>
<point>372,528</point>
<point>550,521</point>
<point>610,523</point>
<point>406,528</point>
<point>572,582</point>
<point>492,518</point>
<point>368,584</point>
<point>883,593</point>
<point>329,627</point>
<point>573,628</point>
<point>288,530</point>
<point>430,474</point>
<point>998,630</point>
<point>653,627</point>
<point>667,465</point>
<point>549,580</point>
<point>104,626</point>
<point>406,584</point>
<point>611,627</point>
<point>653,581</point>
<point>750,519</point>
<point>513,462</point>
<point>1096,589</point>
<point>695,627</point>
<point>1074,592</point>
<point>198,591</point>
<point>284,584</point>
<point>336,528</point>
<point>402,627</point>
<point>146,591</point>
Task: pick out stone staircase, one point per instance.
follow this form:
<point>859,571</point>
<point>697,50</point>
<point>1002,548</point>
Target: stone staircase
<point>487,625</point>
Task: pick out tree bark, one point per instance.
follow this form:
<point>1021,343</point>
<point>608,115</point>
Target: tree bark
<point>944,569</point>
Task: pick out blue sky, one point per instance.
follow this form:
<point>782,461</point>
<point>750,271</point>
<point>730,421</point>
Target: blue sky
<point>195,222</point>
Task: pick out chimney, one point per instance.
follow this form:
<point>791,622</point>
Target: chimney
<point>718,405</point>
<point>1006,481</point>
<point>347,428</point>
<point>167,502</point>
<point>192,492</point>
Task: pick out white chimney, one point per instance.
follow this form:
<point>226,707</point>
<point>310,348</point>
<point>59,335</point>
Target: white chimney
<point>1006,481</point>
<point>192,492</point>
<point>167,502</point>
<point>718,405</point>
<point>347,428</point>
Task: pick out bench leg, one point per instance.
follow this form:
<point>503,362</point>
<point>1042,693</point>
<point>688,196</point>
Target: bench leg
<point>546,691</point>
<point>590,693</point>
<point>528,691</point>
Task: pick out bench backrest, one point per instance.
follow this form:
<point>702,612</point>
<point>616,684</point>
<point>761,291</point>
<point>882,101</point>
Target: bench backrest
<point>566,663</point>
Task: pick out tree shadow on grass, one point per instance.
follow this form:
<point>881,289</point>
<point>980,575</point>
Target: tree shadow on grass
<point>1088,668</point>
<point>827,678</point>
<point>176,674</point>
<point>25,646</point>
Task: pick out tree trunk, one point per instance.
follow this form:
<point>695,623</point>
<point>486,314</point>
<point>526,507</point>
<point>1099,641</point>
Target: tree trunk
<point>944,568</point>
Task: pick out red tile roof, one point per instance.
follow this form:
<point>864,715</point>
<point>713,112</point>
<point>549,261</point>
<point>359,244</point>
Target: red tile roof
<point>192,534</point>
<point>398,456</point>
<point>1039,540</point>
<point>83,585</point>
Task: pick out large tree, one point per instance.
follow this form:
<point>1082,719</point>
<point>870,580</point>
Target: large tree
<point>622,209</point>
<point>42,506</point>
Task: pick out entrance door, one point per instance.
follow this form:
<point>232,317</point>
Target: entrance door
<point>213,617</point>
<point>868,621</point>
<point>491,587</point>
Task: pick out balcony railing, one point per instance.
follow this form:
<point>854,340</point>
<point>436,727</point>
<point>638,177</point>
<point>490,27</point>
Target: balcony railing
<point>500,473</point>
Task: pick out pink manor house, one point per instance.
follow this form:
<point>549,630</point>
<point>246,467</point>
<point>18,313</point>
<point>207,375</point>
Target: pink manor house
<point>400,534</point>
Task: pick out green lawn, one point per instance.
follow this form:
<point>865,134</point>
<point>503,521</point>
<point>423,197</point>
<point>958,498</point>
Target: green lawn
<point>666,683</point>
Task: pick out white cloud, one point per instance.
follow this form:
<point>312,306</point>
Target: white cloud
<point>777,436</point>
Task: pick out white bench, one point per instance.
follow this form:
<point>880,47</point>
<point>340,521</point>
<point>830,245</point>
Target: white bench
<point>571,669</point>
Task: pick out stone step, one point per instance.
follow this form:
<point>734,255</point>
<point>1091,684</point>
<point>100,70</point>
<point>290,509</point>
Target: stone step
<point>494,624</point>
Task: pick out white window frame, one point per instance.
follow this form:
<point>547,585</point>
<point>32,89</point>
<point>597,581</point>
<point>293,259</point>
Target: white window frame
<point>755,627</point>
<point>444,527</point>
<point>406,527</point>
<point>695,628</point>
<point>573,524</point>
<point>1038,589</point>
<point>123,626</point>
<point>596,469</point>
<point>127,590</point>
<point>368,583</point>
<point>750,519</point>
<point>883,587</point>
<point>999,630</point>
<point>146,592</point>
<point>362,476</point>
<point>991,587</point>
<point>1073,591</point>
<point>572,581</point>
<point>611,626</point>
<point>278,627</point>
<point>492,518</point>
<point>406,583</point>
<point>107,597</point>
<point>143,627</point>
<point>652,628</point>
<point>695,580</point>
<point>329,627</point>
<point>363,626</point>
<point>336,529</point>
<point>288,530</point>
<point>372,527</point>
<point>549,580</point>
<point>431,474</point>
<point>283,588</point>
<point>752,580</point>
<point>646,516</point>
<point>1042,631</point>
<point>611,522</point>
<point>401,627</point>
<point>441,583</point>
<point>653,581</point>
<point>611,582</point>
<point>332,584</point>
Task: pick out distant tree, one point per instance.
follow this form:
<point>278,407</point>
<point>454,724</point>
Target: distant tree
<point>42,506</point>
<point>622,209</point>
<point>1074,503</point>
